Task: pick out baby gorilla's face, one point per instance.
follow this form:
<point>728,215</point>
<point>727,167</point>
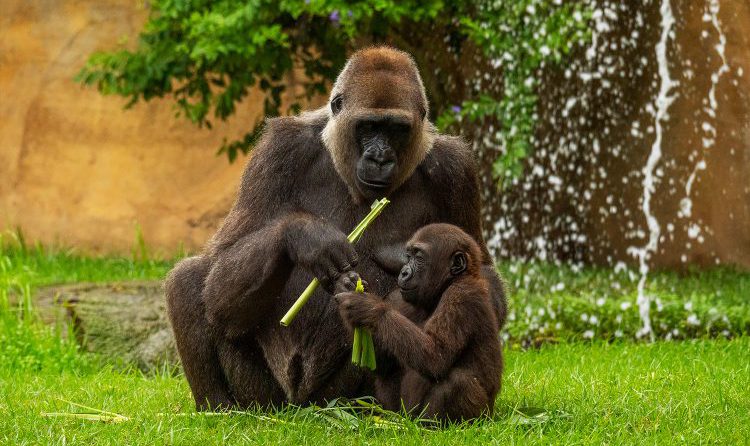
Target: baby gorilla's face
<point>430,267</point>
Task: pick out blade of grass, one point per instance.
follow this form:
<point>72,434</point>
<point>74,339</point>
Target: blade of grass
<point>94,415</point>
<point>86,416</point>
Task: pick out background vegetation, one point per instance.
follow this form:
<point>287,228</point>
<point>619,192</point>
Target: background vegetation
<point>206,55</point>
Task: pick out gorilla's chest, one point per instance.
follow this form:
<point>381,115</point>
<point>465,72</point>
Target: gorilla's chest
<point>315,349</point>
<point>411,207</point>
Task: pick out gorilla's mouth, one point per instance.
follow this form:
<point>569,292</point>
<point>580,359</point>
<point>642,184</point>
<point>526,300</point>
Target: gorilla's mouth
<point>374,184</point>
<point>409,295</point>
<point>408,292</point>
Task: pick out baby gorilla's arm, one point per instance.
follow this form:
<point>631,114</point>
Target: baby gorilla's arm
<point>431,350</point>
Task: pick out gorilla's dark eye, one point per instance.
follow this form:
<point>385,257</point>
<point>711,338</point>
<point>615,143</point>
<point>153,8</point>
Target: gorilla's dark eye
<point>336,104</point>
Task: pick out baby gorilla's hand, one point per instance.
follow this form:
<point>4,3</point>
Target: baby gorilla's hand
<point>361,309</point>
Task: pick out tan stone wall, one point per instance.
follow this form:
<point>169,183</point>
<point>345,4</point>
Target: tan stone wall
<point>77,170</point>
<point>723,196</point>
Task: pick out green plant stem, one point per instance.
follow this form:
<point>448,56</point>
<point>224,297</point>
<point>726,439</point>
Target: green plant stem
<point>363,350</point>
<point>357,346</point>
<point>367,354</point>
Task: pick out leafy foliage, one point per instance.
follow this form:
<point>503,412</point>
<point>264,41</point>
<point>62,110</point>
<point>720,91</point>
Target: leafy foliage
<point>206,55</point>
<point>552,303</point>
<point>518,37</point>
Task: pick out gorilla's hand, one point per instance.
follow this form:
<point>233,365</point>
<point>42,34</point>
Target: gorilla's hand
<point>361,309</point>
<point>320,248</point>
<point>347,283</point>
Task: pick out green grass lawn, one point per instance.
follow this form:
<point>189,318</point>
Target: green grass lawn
<point>574,392</point>
<point>680,392</point>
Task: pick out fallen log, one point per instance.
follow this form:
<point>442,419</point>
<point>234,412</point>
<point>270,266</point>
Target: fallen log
<point>125,322</point>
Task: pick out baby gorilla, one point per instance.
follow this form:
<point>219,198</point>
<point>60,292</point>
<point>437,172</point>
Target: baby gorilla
<point>436,335</point>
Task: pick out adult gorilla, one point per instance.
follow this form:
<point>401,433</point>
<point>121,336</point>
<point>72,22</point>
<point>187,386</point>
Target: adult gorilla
<point>309,181</point>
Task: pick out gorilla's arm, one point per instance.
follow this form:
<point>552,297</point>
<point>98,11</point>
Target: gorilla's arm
<point>461,203</point>
<point>264,235</point>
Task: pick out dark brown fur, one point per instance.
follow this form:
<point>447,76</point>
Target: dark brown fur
<point>448,358</point>
<point>296,202</point>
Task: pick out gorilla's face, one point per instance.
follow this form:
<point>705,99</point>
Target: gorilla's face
<point>432,263</point>
<point>377,132</point>
<point>380,141</point>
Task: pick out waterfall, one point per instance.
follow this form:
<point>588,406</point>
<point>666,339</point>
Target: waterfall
<point>664,100</point>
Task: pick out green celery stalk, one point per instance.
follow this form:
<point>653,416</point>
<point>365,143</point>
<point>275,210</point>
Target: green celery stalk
<point>371,363</point>
<point>357,346</point>
<point>363,350</point>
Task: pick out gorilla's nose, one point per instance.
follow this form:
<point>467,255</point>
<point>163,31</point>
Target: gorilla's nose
<point>381,155</point>
<point>378,151</point>
<point>405,275</point>
<point>384,157</point>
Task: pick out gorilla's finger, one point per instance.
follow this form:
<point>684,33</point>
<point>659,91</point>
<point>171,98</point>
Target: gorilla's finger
<point>323,269</point>
<point>342,256</point>
<point>333,274</point>
<point>343,298</point>
<point>344,285</point>
<point>352,257</point>
<point>352,277</point>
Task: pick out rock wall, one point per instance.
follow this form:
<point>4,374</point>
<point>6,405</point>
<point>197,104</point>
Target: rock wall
<point>79,171</point>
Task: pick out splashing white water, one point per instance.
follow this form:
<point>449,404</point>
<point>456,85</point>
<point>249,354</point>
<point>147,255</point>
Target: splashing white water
<point>663,101</point>
<point>594,129</point>
<point>713,9</point>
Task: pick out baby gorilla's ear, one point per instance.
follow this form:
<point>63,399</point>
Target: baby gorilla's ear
<point>458,263</point>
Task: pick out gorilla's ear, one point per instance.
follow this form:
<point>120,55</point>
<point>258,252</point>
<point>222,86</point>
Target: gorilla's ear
<point>337,103</point>
<point>458,263</point>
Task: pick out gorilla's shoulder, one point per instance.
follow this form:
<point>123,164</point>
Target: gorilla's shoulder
<point>287,146</point>
<point>450,158</point>
<point>294,139</point>
<point>296,131</point>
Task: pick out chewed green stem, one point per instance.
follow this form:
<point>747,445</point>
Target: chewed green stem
<point>354,236</point>
<point>363,350</point>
